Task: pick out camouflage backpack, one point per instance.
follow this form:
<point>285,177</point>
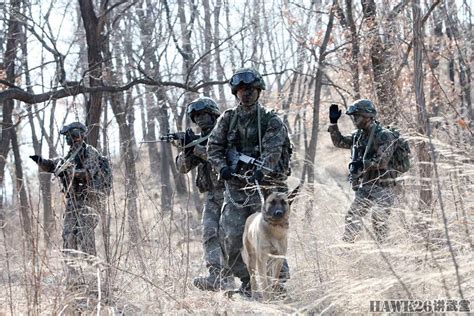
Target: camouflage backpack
<point>105,177</point>
<point>400,161</point>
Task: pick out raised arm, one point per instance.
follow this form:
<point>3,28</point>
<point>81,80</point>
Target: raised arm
<point>338,139</point>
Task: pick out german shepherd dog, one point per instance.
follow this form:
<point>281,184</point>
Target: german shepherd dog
<point>265,242</point>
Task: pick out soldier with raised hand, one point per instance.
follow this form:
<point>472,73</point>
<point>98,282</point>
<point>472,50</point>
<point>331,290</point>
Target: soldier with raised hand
<point>204,113</point>
<point>372,148</point>
<point>255,131</point>
<point>81,178</point>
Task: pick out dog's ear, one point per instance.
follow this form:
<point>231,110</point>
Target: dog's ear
<point>292,195</point>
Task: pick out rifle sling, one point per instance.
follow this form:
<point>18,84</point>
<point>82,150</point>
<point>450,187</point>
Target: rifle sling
<point>197,141</point>
<point>71,158</point>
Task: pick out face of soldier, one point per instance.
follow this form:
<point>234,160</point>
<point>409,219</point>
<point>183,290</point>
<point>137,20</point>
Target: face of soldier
<point>247,95</point>
<point>72,139</point>
<point>360,121</point>
<point>204,120</point>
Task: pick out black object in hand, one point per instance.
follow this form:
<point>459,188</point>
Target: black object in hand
<point>334,113</point>
<point>226,173</point>
<point>257,175</point>
<point>36,158</point>
<point>356,166</point>
<point>189,136</point>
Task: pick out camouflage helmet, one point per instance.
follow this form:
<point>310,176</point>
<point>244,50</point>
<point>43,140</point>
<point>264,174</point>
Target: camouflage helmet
<point>74,129</point>
<point>204,104</point>
<point>362,107</point>
<point>246,76</point>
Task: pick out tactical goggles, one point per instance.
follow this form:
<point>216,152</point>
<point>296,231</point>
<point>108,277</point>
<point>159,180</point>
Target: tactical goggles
<point>196,106</point>
<point>75,132</point>
<point>64,130</point>
<point>352,110</point>
<point>245,77</point>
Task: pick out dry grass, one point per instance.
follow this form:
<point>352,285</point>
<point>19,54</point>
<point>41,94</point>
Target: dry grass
<point>326,275</point>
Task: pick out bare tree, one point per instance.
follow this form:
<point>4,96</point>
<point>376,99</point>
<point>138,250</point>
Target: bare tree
<point>422,150</point>
<point>94,27</point>
<point>318,82</point>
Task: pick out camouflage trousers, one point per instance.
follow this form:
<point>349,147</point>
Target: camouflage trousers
<point>370,197</point>
<point>80,220</point>
<point>211,214</point>
<point>231,230</point>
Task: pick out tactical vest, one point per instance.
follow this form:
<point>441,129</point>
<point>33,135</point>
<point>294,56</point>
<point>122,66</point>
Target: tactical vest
<point>246,138</point>
<point>359,147</point>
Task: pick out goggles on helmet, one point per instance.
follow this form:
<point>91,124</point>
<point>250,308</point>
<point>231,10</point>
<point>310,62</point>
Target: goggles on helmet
<point>197,106</point>
<point>352,110</point>
<point>245,77</point>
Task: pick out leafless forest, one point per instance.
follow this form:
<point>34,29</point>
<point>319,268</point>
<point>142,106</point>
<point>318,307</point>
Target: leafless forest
<point>128,68</point>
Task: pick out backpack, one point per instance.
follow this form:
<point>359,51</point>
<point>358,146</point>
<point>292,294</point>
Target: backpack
<point>400,161</point>
<point>105,177</point>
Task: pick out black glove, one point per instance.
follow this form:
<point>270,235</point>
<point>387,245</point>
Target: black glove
<point>334,113</point>
<point>257,175</point>
<point>189,136</point>
<point>225,173</point>
<point>36,158</point>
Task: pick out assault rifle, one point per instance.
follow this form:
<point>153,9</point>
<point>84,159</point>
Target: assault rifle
<point>234,157</point>
<point>356,167</point>
<point>179,139</point>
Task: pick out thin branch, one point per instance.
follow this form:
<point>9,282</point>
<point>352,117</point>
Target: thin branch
<point>75,89</point>
<point>410,46</point>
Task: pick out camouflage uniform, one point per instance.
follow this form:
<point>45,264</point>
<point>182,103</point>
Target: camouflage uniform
<point>374,189</point>
<point>244,137</point>
<point>206,181</point>
<point>83,198</point>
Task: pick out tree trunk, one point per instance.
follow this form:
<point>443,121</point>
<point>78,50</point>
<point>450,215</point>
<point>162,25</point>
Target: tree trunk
<point>13,37</point>
<point>422,150</point>
<point>311,153</point>
<point>354,39</point>
<point>219,68</point>
<point>94,39</point>
<point>43,177</point>
<point>381,65</point>
<point>435,103</point>
<point>127,144</point>
<point>20,185</point>
<point>206,61</point>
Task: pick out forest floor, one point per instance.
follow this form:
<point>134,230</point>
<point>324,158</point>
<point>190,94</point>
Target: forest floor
<point>327,276</point>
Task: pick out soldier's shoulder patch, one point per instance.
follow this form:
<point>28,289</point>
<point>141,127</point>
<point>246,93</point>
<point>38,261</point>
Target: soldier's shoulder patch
<point>275,122</point>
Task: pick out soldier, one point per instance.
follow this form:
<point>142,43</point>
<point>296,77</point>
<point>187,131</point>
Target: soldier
<point>255,131</point>
<point>372,148</point>
<point>204,112</point>
<point>82,178</point>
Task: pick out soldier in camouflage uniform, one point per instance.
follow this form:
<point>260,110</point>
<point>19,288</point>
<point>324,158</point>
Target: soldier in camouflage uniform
<point>372,148</point>
<point>80,175</point>
<point>204,112</point>
<point>255,131</point>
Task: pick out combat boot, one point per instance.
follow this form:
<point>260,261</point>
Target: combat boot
<point>212,282</point>
<point>245,289</point>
